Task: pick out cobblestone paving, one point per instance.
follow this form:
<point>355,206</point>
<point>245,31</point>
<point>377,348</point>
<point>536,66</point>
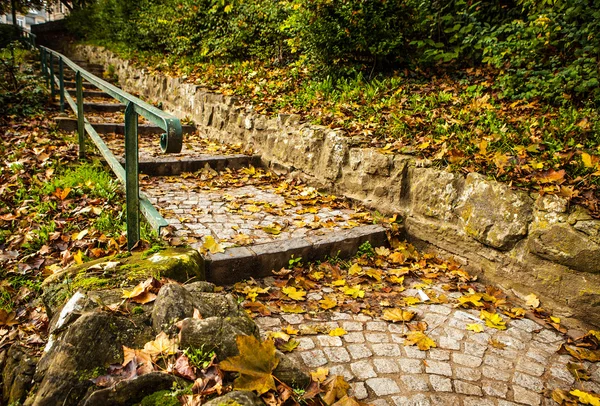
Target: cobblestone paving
<point>464,369</point>
<point>241,214</point>
<point>193,146</point>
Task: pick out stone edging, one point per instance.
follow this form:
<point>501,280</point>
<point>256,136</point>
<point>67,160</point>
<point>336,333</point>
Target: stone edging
<point>521,241</point>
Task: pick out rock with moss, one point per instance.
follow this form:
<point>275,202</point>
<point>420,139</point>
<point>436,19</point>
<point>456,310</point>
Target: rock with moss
<point>216,334</point>
<point>88,346</point>
<point>173,303</point>
<point>122,271</point>
<point>290,373</point>
<point>17,374</point>
<point>236,398</point>
<point>135,390</point>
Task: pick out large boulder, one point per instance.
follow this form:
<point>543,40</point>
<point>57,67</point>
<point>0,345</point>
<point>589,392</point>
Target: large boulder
<point>17,374</point>
<point>236,398</point>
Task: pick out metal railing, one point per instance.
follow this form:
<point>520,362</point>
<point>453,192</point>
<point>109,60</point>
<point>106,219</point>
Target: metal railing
<point>170,141</point>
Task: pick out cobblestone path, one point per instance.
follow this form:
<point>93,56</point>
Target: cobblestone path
<point>464,369</point>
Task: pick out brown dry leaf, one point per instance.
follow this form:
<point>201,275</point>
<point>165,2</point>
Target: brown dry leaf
<point>255,363</point>
<point>419,339</point>
<point>578,371</point>
<point>396,315</point>
<point>582,353</point>
<point>142,359</point>
<point>496,344</point>
<point>347,401</point>
<point>335,388</point>
<point>563,398</point>
<point>8,318</point>
<point>184,369</point>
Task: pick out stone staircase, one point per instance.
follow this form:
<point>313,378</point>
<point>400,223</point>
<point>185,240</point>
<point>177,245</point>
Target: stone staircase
<point>259,218</point>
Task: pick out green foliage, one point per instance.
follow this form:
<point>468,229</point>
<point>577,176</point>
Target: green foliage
<point>200,358</point>
<point>366,249</point>
<point>87,178</point>
<point>22,93</point>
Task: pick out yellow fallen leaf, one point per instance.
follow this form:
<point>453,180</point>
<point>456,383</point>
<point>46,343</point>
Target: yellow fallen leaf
<point>292,308</point>
<point>319,375</point>
<point>337,332</point>
<point>493,320</point>
<point>290,330</point>
<point>293,293</point>
<point>354,291</point>
<point>411,300</point>
<point>78,257</point>
<point>328,302</point>
<point>470,300</point>
<point>419,339</point>
<point>397,314</point>
<point>211,245</point>
<point>586,398</point>
<point>532,301</point>
<point>355,269</point>
<point>555,319</point>
<point>339,282</point>
<point>476,327</point>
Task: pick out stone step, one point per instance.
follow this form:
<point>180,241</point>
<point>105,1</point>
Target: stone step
<point>70,124</point>
<point>258,261</point>
<point>103,107</point>
<point>70,84</point>
<point>169,165</point>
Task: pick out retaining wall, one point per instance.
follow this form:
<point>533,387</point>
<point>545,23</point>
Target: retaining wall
<point>521,241</point>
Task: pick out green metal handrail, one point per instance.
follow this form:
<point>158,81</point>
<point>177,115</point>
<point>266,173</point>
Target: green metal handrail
<point>170,142</point>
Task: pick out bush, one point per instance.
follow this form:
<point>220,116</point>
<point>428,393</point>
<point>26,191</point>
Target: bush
<point>22,93</point>
<point>342,33</point>
<point>7,35</point>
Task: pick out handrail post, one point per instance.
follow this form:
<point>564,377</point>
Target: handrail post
<point>61,79</point>
<point>43,61</point>
<point>80,122</point>
<point>52,82</point>
<point>131,175</point>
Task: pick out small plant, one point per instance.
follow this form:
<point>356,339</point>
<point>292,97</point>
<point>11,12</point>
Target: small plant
<point>200,357</point>
<point>293,262</point>
<point>151,251</point>
<point>366,250</point>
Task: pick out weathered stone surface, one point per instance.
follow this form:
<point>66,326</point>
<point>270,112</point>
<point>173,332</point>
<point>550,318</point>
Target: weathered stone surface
<point>290,372</point>
<point>433,193</point>
<point>132,391</point>
<point>173,303</point>
<point>17,375</point>
<point>89,345</point>
<point>492,213</point>
<point>216,333</point>
<point>242,398</point>
<point>564,245</point>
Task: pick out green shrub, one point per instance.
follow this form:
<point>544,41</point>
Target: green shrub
<point>22,92</point>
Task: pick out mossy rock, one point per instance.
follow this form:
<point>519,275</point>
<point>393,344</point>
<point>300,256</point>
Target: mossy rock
<point>122,271</point>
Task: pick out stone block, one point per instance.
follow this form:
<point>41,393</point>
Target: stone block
<point>564,245</point>
<point>492,213</point>
<point>231,266</point>
<point>433,193</point>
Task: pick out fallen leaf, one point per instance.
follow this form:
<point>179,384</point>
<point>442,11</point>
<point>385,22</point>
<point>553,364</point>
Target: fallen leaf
<point>476,327</point>
<point>419,339</point>
<point>184,369</point>
<point>328,302</point>
<point>319,375</point>
<point>337,332</point>
<point>496,344</point>
<point>586,398</point>
<point>493,320</point>
<point>532,300</point>
<point>293,293</point>
<point>8,318</point>
<point>161,346</point>
<point>396,315</point>
<point>289,345</point>
<point>335,388</point>
<point>292,308</point>
<point>578,371</point>
<point>211,245</point>
<point>255,364</point>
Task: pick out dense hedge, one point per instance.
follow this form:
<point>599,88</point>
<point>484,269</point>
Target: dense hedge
<point>539,48</point>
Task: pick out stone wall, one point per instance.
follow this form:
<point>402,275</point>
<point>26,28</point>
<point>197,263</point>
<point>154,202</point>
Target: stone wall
<point>521,241</point>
